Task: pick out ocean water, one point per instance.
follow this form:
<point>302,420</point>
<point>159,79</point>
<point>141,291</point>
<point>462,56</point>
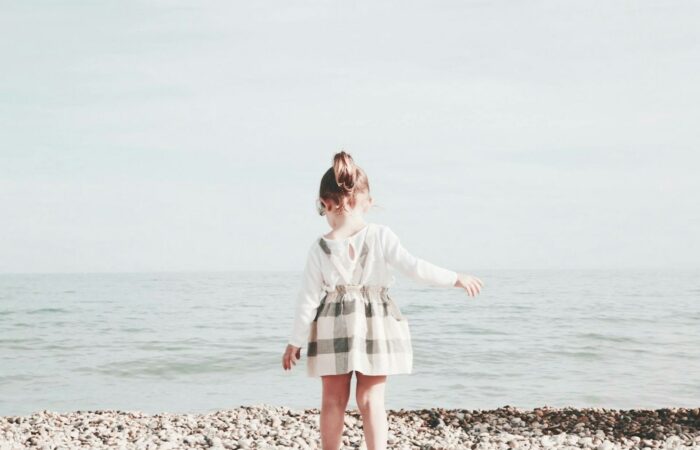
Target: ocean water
<point>198,342</point>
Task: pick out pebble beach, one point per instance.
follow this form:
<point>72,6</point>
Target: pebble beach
<point>277,427</point>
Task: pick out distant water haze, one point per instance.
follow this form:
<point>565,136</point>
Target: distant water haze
<point>197,342</point>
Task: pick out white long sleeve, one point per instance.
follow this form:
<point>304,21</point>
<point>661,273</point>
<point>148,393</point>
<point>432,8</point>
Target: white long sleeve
<point>308,298</point>
<point>418,269</point>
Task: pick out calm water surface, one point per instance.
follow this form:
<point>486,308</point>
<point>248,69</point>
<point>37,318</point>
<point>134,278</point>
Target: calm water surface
<point>198,342</point>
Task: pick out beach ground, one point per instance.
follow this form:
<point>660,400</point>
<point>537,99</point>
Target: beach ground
<point>278,427</point>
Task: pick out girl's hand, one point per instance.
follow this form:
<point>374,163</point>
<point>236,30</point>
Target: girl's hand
<point>472,284</point>
<point>291,355</point>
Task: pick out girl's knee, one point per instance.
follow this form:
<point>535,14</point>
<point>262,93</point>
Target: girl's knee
<point>370,404</point>
<point>370,392</point>
<point>336,391</point>
<point>339,401</point>
<point>370,399</point>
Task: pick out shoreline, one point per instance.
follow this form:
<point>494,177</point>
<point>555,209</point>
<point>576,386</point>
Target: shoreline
<point>278,427</point>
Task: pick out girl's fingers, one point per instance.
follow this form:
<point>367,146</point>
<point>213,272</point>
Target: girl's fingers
<point>474,280</point>
<point>473,288</point>
<point>290,358</point>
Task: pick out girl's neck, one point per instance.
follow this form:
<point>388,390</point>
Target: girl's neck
<point>348,227</point>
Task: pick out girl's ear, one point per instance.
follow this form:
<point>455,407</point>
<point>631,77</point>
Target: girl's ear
<point>369,204</point>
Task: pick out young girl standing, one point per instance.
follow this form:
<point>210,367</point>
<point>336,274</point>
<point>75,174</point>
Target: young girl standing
<point>344,313</point>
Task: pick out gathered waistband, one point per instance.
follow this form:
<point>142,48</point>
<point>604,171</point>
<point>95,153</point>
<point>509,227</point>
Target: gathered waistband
<point>361,288</point>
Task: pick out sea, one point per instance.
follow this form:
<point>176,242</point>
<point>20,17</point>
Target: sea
<point>198,342</point>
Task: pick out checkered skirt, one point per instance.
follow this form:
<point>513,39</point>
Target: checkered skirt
<point>359,327</point>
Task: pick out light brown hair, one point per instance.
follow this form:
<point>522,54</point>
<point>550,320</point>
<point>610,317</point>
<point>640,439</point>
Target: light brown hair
<point>341,183</point>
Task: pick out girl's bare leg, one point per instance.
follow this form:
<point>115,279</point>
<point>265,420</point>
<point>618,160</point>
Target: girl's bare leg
<point>336,393</point>
<point>370,402</point>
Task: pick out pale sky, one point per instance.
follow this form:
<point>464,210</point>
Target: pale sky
<point>192,135</point>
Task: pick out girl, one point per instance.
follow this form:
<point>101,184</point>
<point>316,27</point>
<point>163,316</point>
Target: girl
<point>356,326</point>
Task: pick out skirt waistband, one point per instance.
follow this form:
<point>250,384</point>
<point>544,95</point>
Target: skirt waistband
<point>361,288</point>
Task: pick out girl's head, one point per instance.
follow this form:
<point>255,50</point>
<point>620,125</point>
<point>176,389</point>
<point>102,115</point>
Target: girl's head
<point>344,188</point>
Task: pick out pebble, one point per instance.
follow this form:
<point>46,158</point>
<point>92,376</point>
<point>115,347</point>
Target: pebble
<point>606,445</point>
<point>276,427</point>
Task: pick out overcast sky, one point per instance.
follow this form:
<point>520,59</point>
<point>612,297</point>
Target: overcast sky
<point>192,135</point>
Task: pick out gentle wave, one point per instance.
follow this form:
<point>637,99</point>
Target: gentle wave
<point>196,342</point>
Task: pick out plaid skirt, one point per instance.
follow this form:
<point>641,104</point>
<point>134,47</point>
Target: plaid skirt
<point>359,327</point>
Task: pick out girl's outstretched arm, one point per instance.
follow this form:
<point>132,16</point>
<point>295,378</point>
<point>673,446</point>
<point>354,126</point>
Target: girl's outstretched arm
<point>412,266</point>
<point>421,270</point>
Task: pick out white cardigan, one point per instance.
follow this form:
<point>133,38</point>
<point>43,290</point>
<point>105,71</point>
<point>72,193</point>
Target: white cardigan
<point>320,275</point>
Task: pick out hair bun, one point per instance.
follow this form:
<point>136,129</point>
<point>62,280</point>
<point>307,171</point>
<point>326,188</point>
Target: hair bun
<point>345,171</point>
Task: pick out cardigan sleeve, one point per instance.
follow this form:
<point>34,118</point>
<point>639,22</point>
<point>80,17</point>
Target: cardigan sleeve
<point>308,297</point>
<point>412,266</point>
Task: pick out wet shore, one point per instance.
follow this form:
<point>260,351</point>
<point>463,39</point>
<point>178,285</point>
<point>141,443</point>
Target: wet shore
<point>278,427</point>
